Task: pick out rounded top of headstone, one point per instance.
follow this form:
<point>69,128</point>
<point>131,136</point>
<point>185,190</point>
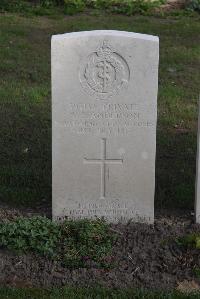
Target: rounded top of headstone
<point>107,33</point>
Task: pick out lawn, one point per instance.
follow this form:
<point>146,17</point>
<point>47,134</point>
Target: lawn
<point>25,106</point>
<point>86,293</point>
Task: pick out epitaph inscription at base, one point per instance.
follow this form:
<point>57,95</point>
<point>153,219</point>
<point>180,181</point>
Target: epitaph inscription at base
<point>104,108</point>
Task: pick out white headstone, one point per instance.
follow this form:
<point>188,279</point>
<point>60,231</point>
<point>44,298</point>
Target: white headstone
<point>197,201</point>
<point>104,89</point>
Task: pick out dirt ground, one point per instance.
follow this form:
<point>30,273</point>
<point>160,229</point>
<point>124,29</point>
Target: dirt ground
<point>144,256</point>
<point>171,5</point>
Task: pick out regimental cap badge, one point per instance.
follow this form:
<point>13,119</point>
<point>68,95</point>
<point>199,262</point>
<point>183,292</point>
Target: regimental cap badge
<point>104,73</point>
<point>104,50</point>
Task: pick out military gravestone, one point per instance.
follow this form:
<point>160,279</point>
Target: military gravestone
<point>104,90</point>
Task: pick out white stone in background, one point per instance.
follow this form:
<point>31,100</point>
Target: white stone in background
<point>104,90</point>
<point>197,201</point>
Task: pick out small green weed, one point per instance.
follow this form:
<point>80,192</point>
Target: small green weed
<point>74,243</point>
<point>197,272</point>
<point>191,240</point>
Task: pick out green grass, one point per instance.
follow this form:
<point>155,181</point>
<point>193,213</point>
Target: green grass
<point>25,101</point>
<point>88,293</point>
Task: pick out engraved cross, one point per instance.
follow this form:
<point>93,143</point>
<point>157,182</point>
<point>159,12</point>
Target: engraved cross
<point>103,161</point>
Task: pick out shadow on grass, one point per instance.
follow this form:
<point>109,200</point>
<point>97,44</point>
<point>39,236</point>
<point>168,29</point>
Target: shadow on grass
<point>175,169</point>
<point>25,173</point>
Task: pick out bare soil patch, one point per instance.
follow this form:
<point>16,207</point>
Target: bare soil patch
<point>171,5</point>
<point>146,256</point>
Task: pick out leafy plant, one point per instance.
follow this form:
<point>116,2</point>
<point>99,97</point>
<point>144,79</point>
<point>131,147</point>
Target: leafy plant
<point>100,4</point>
<point>73,6</point>
<point>194,5</point>
<point>31,234</point>
<point>74,243</point>
<point>14,5</point>
<point>130,7</point>
<point>25,6</point>
<point>47,3</point>
<point>87,241</point>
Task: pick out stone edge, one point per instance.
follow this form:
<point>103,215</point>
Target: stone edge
<point>117,33</point>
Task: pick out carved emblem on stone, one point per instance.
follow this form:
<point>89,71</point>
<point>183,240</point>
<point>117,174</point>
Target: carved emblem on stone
<point>104,73</point>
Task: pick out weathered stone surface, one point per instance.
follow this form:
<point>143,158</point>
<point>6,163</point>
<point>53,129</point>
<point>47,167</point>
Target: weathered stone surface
<point>104,89</point>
